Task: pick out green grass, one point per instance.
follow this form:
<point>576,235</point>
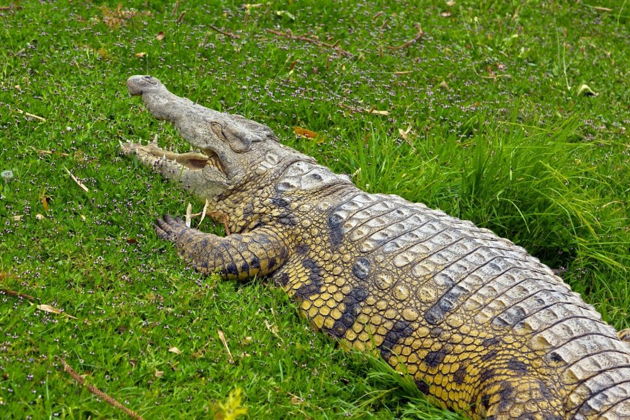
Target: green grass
<point>499,135</point>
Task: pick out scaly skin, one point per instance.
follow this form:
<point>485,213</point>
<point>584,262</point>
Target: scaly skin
<point>484,328</point>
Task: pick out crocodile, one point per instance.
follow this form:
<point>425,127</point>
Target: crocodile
<point>482,327</point>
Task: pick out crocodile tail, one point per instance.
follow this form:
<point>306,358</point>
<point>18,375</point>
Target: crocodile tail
<point>526,397</point>
<point>595,366</point>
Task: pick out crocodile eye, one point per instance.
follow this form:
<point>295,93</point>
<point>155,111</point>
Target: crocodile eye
<point>150,80</point>
<point>217,129</point>
<point>239,141</point>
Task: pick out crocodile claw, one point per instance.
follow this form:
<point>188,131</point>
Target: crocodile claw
<point>169,228</point>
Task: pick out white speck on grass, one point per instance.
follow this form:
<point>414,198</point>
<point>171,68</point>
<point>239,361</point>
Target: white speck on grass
<point>6,175</point>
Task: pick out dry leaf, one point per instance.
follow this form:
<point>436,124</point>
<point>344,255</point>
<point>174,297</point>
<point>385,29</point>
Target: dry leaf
<point>404,133</point>
<point>141,54</point>
<point>103,53</point>
<point>39,216</point>
<point>198,354</point>
<point>296,400</point>
<point>305,133</point>
<point>225,344</point>
<point>377,112</point>
<point>450,3</point>
<point>17,218</point>
<point>443,84</point>
<point>48,308</point>
<point>175,350</point>
<point>53,310</point>
<point>585,90</point>
<point>274,329</point>
<point>248,6</point>
<point>158,373</point>
<point>445,14</point>
<point>160,36</point>
<point>284,13</point>
<point>44,201</point>
<point>114,18</point>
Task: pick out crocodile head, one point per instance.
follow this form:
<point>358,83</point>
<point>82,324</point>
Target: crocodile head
<point>226,147</point>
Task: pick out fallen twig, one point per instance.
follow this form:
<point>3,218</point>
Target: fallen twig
<point>311,40</point>
<point>28,114</point>
<point>351,108</point>
<point>18,295</point>
<point>358,110</point>
<point>48,152</point>
<point>45,308</point>
<point>11,7</point>
<point>497,76</point>
<point>405,44</point>
<point>74,178</point>
<point>222,32</point>
<point>100,394</point>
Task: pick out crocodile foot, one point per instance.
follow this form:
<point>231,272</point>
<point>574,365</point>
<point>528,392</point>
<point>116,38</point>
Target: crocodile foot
<point>170,228</point>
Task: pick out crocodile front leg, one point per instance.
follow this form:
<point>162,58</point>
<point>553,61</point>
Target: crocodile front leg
<point>259,252</point>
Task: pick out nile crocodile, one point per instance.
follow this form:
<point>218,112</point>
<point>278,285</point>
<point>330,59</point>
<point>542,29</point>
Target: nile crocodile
<point>483,327</point>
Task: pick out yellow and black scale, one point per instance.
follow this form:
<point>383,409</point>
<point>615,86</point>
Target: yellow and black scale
<point>483,327</point>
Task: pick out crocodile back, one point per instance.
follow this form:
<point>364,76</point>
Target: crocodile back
<point>481,325</point>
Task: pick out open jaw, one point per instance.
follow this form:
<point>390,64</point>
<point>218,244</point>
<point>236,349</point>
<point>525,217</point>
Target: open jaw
<point>196,164</point>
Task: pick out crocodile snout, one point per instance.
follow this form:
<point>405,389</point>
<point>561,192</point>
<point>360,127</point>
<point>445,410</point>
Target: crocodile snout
<point>140,84</point>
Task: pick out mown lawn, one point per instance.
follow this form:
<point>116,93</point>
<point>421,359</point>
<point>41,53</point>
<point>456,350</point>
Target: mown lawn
<point>476,107</point>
